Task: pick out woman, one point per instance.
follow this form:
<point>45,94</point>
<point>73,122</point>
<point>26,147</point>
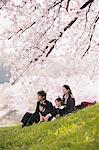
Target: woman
<point>68,99</point>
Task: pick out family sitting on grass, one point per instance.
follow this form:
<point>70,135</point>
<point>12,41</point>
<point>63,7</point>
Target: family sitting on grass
<point>45,111</point>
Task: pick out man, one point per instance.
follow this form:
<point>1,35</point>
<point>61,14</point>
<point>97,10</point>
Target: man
<point>35,117</point>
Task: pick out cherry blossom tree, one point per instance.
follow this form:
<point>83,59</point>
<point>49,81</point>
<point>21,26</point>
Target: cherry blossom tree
<point>47,43</point>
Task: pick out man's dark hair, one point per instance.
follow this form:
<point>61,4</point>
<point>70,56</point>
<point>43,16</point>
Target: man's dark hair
<point>42,93</point>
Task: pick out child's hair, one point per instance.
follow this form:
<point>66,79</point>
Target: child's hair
<point>59,99</point>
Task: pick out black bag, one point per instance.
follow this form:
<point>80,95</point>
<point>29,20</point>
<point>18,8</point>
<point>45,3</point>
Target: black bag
<point>26,117</point>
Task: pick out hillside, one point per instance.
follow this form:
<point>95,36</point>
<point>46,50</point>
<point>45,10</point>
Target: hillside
<point>75,132</point>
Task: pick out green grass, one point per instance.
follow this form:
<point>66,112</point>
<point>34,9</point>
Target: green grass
<point>79,131</point>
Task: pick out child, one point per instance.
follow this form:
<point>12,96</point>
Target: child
<point>44,113</point>
<point>58,110</point>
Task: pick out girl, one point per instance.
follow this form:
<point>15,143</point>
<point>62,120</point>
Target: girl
<point>58,110</point>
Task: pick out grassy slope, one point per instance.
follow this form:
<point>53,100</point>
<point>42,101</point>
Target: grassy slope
<point>75,132</point>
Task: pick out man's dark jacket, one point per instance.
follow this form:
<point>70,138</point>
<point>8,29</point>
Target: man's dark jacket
<point>29,119</point>
<point>49,106</point>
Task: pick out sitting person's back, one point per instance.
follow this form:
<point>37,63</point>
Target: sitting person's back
<point>44,112</point>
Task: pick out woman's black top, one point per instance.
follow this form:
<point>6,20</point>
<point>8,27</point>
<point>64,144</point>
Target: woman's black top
<point>70,104</point>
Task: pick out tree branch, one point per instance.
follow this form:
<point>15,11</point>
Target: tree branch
<point>91,36</point>
<point>86,4</point>
<point>68,2</point>
<point>22,30</point>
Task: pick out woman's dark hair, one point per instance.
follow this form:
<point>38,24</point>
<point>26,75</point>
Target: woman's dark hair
<point>68,88</point>
<point>59,100</point>
<point>42,93</point>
